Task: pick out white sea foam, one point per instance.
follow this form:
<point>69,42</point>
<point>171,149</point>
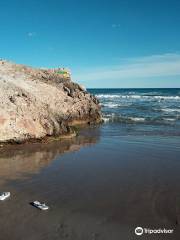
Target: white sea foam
<point>111,105</point>
<point>169,119</point>
<point>170,109</point>
<point>105,119</point>
<point>151,97</point>
<point>137,119</point>
<point>168,97</point>
<point>112,117</point>
<point>111,96</point>
<point>132,96</point>
<point>107,96</point>
<point>127,119</point>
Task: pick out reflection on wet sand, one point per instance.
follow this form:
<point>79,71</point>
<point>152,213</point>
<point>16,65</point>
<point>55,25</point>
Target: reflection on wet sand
<point>19,161</point>
<point>97,193</point>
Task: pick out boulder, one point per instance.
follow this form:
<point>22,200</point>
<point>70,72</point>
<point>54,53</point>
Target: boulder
<point>35,103</point>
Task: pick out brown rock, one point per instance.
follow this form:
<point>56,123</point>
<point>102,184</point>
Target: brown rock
<point>35,103</point>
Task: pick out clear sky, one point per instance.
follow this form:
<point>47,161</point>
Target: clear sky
<point>117,43</point>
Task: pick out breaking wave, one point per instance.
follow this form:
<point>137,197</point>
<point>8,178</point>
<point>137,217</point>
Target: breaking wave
<point>159,97</point>
<point>170,110</point>
<point>137,120</point>
<point>141,111</point>
<point>141,106</point>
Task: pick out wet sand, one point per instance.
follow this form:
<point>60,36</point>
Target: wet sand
<point>98,186</point>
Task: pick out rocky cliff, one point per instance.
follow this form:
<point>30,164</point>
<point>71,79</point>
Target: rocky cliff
<point>35,103</point>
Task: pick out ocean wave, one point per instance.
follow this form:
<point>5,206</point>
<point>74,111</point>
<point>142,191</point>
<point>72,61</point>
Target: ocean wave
<point>168,97</point>
<point>169,119</point>
<point>106,119</point>
<point>114,105</point>
<point>122,119</point>
<point>159,97</point>
<point>170,110</point>
<point>111,105</point>
<point>107,96</point>
<point>137,120</point>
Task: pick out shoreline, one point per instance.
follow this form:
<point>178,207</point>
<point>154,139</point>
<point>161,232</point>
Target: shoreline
<point>73,127</point>
<point>97,186</point>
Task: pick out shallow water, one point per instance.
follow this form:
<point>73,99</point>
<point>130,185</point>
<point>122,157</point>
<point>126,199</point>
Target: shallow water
<point>152,111</point>
<point>100,185</point>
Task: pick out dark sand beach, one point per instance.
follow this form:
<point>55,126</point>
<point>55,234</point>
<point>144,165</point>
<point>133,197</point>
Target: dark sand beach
<point>98,186</point>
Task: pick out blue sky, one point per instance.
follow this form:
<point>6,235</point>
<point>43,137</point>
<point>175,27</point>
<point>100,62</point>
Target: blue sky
<point>117,43</point>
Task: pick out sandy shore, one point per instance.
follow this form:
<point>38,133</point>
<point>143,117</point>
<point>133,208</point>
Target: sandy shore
<point>98,187</point>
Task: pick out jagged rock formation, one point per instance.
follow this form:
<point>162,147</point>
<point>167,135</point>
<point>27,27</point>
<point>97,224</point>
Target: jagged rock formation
<point>35,103</point>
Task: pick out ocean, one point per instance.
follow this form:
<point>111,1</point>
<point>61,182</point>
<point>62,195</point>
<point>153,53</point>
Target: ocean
<point>141,111</point>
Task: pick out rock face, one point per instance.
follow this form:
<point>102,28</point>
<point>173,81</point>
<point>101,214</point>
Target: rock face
<point>35,103</point>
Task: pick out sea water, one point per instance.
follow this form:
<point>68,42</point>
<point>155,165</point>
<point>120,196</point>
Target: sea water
<point>141,111</point>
